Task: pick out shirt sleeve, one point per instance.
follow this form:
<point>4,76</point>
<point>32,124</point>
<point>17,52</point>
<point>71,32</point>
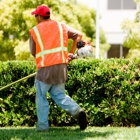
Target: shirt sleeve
<point>72,33</point>
<point>32,46</point>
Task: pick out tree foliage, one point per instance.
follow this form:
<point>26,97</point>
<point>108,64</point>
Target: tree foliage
<point>132,39</point>
<point>16,21</point>
<point>136,1</point>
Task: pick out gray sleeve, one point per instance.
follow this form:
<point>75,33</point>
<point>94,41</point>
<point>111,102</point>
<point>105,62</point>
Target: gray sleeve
<point>32,46</point>
<point>72,33</point>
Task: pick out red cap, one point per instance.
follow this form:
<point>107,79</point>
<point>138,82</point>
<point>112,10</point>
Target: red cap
<point>42,10</point>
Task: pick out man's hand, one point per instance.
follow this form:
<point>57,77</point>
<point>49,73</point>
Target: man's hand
<point>70,57</point>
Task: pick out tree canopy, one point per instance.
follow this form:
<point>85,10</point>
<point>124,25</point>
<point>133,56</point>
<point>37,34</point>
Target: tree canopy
<point>16,21</point>
<point>132,39</point>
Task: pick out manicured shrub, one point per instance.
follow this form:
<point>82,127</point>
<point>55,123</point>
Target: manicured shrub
<point>108,90</point>
<point>17,101</point>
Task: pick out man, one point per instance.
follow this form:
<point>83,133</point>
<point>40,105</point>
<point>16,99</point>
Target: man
<point>48,44</point>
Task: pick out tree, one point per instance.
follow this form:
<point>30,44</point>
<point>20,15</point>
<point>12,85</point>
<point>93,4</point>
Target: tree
<point>132,39</point>
<point>16,21</point>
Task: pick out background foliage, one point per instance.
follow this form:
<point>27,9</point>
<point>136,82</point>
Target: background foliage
<point>16,21</point>
<point>132,39</point>
<point>108,90</point>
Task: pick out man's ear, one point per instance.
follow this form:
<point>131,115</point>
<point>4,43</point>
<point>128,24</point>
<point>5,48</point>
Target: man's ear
<point>39,17</point>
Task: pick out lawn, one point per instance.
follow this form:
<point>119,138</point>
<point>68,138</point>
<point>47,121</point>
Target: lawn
<point>70,133</point>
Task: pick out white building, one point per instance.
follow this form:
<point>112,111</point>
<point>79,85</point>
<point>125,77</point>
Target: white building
<point>113,13</point>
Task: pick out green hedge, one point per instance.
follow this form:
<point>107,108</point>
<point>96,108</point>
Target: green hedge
<point>108,90</point>
<point>18,100</point>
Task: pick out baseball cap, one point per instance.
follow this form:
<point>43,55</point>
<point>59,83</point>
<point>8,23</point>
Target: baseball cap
<point>42,10</point>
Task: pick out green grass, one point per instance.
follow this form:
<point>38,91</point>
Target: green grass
<point>70,133</point>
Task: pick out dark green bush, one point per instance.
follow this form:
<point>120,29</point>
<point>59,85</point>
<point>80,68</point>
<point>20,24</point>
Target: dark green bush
<point>17,101</point>
<point>108,90</point>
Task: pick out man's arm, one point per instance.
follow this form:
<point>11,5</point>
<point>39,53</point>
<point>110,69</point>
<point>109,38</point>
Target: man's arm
<point>74,45</point>
<point>32,46</point>
<point>75,36</point>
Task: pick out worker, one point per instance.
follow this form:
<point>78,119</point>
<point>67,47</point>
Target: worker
<point>49,46</point>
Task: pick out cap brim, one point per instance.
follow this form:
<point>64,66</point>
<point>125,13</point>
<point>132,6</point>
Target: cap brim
<point>33,13</point>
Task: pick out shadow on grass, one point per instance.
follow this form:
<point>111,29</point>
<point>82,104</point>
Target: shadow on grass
<point>54,133</point>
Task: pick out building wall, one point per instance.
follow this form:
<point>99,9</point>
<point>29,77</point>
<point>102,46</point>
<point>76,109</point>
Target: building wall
<point>111,20</point>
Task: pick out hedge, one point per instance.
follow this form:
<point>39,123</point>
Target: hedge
<point>108,90</point>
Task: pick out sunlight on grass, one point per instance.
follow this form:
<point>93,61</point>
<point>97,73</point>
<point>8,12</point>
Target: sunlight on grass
<point>70,133</point>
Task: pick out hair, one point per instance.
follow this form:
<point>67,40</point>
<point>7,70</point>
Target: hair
<point>47,17</point>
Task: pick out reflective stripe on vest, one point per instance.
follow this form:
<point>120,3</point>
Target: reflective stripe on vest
<point>43,52</point>
<point>40,44</point>
<point>61,39</point>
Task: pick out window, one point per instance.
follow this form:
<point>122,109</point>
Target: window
<point>117,51</point>
<point>121,4</point>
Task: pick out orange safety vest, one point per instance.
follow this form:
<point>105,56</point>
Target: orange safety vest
<point>51,40</point>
